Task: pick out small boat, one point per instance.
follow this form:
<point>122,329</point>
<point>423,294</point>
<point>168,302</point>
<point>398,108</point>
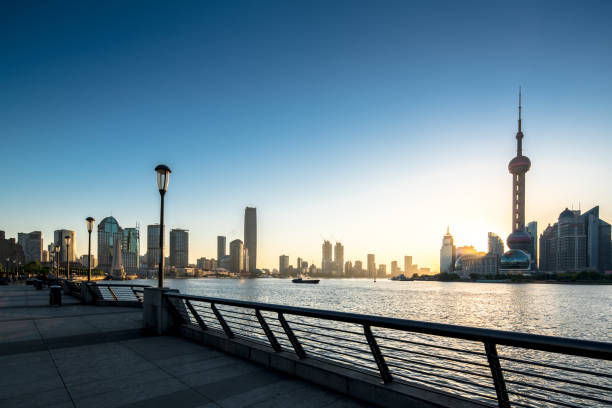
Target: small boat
<point>300,280</point>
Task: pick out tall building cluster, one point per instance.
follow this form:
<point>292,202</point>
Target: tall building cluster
<point>115,242</point>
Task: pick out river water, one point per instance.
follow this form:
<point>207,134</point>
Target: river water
<point>457,366</point>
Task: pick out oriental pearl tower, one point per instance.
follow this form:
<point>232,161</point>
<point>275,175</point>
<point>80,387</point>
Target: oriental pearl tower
<point>519,240</point>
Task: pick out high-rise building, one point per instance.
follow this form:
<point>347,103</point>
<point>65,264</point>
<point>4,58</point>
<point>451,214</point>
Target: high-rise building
<point>131,249</point>
<point>575,243</point>
<point>283,264</point>
<point>358,269</point>
<point>371,266</point>
<point>45,256</point>
<point>447,254</point>
<point>32,244</point>
<point>299,263</point>
<point>532,230</point>
<point>59,240</point>
<point>339,259</point>
<point>179,248</point>
<point>109,234</point>
<point>382,270</point>
<point>495,244</point>
<point>221,247</point>
<point>245,261</point>
<point>326,262</point>
<point>348,268</point>
<point>394,268</point>
<point>407,264</point>
<point>519,240</point>
<point>236,248</point>
<point>153,246</point>
<point>250,236</point>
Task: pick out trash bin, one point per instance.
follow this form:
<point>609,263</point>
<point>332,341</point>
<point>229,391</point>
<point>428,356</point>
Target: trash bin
<point>55,295</point>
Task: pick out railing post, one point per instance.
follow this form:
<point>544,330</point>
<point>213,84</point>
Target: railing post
<point>264,325</point>
<point>226,328</point>
<point>294,341</point>
<point>112,293</point>
<point>378,357</point>
<point>195,315</point>
<point>498,377</point>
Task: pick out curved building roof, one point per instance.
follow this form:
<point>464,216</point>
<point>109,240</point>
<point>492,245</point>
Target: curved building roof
<point>515,259</point>
<point>567,213</point>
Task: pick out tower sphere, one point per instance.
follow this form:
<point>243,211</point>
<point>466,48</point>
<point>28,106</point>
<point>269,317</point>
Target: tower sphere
<point>519,165</point>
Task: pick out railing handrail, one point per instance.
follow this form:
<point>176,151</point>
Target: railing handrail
<point>120,284</point>
<point>564,345</point>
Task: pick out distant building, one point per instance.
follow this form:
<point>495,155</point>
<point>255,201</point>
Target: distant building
<point>382,271</point>
<point>348,268</point>
<point>131,250</point>
<point>575,243</point>
<point>59,240</point>
<point>45,256</point>
<point>339,259</point>
<point>477,263</point>
<point>283,264</point>
<point>425,271</point>
<point>371,266</point>
<point>221,247</point>
<point>32,244</point>
<point>447,253</point>
<point>83,261</point>
<point>179,248</point>
<point>250,236</point>
<point>407,264</point>
<point>496,245</point>
<point>236,249</point>
<point>245,261</point>
<point>326,261</point>
<point>225,262</point>
<point>357,269</point>
<point>110,234</point>
<point>206,264</point>
<point>153,252</point>
<point>532,230</point>
<point>11,253</point>
<point>394,268</point>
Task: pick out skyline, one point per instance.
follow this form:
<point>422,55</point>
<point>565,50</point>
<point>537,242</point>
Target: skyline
<point>379,144</point>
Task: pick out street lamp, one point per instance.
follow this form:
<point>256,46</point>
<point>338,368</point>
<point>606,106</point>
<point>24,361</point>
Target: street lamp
<point>67,239</point>
<point>56,258</point>
<point>90,225</point>
<point>163,176</point>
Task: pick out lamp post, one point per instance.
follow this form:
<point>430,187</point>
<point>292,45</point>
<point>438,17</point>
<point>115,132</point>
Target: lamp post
<point>67,239</point>
<point>163,176</point>
<point>90,225</point>
<point>56,259</point>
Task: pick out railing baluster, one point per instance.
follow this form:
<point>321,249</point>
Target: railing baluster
<point>294,341</point>
<point>498,377</point>
<point>195,315</point>
<point>264,325</point>
<point>378,356</point>
<point>226,328</point>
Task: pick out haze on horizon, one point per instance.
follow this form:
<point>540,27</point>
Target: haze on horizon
<point>374,124</point>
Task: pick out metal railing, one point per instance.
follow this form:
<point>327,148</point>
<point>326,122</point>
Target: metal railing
<point>493,367</point>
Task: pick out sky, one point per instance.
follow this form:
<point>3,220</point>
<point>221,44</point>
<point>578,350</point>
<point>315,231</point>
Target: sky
<point>377,124</point>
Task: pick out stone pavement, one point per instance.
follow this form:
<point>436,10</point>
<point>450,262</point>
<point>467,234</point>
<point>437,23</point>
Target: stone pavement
<point>98,356</point>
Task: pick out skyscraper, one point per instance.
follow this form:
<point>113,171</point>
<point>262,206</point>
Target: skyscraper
<point>221,247</point>
<point>32,244</point>
<point>250,235</point>
<point>283,264</point>
<point>153,245</point>
<point>495,244</point>
<point>58,239</point>
<point>109,233</point>
<point>371,266</point>
<point>519,240</point>
<point>326,262</point>
<point>339,259</point>
<point>407,264</point>
<point>131,249</point>
<point>179,248</point>
<point>532,230</point>
<point>236,248</point>
<point>447,253</point>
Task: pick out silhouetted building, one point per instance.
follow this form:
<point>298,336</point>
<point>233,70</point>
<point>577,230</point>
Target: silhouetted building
<point>131,250</point>
<point>339,259</point>
<point>11,253</point>
<point>575,243</point>
<point>357,270</point>
<point>221,247</point>
<point>236,249</point>
<point>371,266</point>
<point>348,268</point>
<point>447,254</point>
<point>153,245</point>
<point>532,230</point>
<point>283,264</point>
<point>477,263</point>
<point>179,248</point>
<point>394,268</point>
<point>32,244</point>
<point>250,236</point>
<point>326,262</point>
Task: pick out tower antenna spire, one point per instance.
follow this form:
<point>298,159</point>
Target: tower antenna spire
<point>519,119</point>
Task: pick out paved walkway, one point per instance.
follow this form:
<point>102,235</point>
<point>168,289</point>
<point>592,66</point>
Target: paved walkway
<point>97,356</point>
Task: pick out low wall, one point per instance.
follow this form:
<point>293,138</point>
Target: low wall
<point>360,386</point>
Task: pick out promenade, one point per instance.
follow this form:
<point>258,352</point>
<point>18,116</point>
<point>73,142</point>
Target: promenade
<point>99,356</point>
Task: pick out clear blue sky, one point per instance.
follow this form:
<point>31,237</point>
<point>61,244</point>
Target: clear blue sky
<point>374,123</point>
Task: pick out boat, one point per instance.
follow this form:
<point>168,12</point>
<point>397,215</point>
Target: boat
<point>300,280</point>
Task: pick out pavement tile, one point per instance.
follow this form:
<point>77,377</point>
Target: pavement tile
<point>36,399</point>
